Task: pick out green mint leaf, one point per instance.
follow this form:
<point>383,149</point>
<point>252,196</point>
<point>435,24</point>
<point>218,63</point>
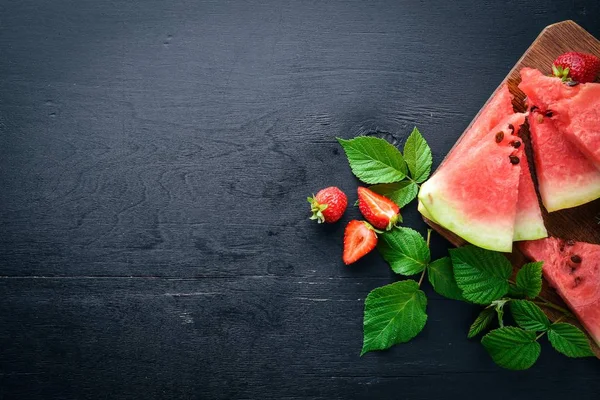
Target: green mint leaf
<point>529,316</point>
<point>512,348</point>
<point>374,160</point>
<point>417,155</point>
<point>393,314</point>
<point>483,320</point>
<point>529,279</point>
<point>482,275</point>
<point>405,250</point>
<point>400,193</point>
<point>569,340</point>
<point>441,277</point>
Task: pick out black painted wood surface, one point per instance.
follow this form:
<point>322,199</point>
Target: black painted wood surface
<point>155,158</point>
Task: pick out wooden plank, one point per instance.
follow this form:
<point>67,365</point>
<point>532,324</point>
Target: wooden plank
<point>577,223</point>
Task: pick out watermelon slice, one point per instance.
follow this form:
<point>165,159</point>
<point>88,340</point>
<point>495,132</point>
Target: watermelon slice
<point>529,223</point>
<point>499,106</point>
<point>566,178</point>
<point>573,268</point>
<point>542,90</point>
<point>579,119</point>
<point>475,196</point>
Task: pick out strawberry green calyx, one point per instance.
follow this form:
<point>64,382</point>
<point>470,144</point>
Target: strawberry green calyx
<point>394,221</point>
<point>560,72</point>
<point>317,209</point>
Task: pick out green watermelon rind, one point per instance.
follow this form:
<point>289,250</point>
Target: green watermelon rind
<point>482,234</point>
<point>529,228</point>
<point>569,196</point>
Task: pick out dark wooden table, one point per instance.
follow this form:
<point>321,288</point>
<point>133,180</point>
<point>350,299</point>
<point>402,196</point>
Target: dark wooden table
<point>155,159</point>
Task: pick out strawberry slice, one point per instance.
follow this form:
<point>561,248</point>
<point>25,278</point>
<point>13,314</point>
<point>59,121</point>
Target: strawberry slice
<point>380,211</point>
<point>359,240</point>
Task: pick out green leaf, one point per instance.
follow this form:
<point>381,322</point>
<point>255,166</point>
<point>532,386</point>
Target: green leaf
<point>529,279</point>
<point>400,193</point>
<point>374,160</point>
<point>529,316</point>
<point>393,314</point>
<point>405,250</point>
<point>512,348</point>
<point>569,340</point>
<point>441,277</point>
<point>482,275</point>
<point>483,320</point>
<point>417,155</point>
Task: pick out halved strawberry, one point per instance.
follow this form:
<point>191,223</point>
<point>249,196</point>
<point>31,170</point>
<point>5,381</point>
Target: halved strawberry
<point>380,211</point>
<point>359,240</point>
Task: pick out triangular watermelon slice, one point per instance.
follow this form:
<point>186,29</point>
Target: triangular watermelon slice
<point>566,178</point>
<point>579,119</point>
<point>498,107</point>
<point>529,224</point>
<point>475,196</point>
<point>573,268</point>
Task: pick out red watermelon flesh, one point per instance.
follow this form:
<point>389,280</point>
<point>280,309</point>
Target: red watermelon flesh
<point>566,178</point>
<point>496,109</point>
<point>542,90</point>
<point>579,119</point>
<point>573,269</point>
<point>475,196</point>
<point>529,223</point>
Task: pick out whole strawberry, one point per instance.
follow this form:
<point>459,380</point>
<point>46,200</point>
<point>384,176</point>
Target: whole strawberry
<point>328,205</point>
<point>359,239</point>
<point>578,67</point>
<point>380,211</point>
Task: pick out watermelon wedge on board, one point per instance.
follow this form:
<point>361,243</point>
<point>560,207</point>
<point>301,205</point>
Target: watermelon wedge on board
<point>566,178</point>
<point>529,224</point>
<point>498,107</point>
<point>578,118</point>
<point>573,269</point>
<point>475,196</point>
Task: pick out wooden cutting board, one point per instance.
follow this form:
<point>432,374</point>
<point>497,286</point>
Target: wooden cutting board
<point>579,223</point>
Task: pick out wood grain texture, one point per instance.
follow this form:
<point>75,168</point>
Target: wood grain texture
<point>579,223</point>
<point>155,158</point>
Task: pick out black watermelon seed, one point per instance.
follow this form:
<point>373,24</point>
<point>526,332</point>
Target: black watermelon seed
<point>572,83</point>
<point>499,136</point>
<point>576,259</point>
<point>533,108</point>
<point>549,114</point>
<point>514,159</point>
<point>512,129</point>
<point>516,144</point>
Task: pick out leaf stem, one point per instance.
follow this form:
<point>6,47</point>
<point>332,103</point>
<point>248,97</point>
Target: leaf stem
<point>555,322</point>
<point>547,303</point>
<point>422,276</point>
<point>428,236</point>
<point>553,306</point>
